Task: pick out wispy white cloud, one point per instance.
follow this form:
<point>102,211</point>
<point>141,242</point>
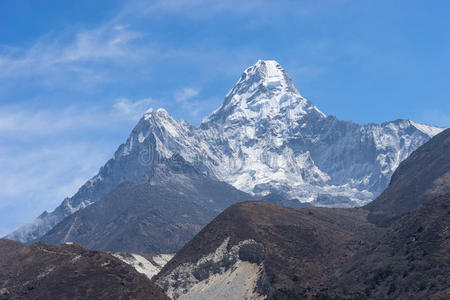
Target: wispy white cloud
<point>83,59</point>
<point>81,53</point>
<point>133,109</point>
<point>185,94</point>
<point>106,42</point>
<point>22,122</point>
<point>189,101</point>
<point>54,58</point>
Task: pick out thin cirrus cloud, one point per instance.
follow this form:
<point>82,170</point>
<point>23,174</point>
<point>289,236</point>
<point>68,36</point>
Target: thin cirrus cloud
<point>51,57</point>
<point>133,109</point>
<point>89,58</point>
<point>21,121</point>
<point>189,101</point>
<point>186,94</point>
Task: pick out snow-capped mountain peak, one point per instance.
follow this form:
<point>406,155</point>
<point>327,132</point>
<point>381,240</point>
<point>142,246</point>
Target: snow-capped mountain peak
<point>263,91</point>
<point>270,74</point>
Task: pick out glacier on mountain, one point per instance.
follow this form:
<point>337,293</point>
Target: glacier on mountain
<point>264,138</point>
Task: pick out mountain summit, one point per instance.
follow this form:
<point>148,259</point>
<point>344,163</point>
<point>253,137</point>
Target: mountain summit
<point>263,91</point>
<point>265,138</point>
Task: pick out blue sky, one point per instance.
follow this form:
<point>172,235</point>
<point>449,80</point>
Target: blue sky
<point>75,76</point>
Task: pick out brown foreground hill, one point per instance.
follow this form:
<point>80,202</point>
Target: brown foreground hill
<point>410,261</point>
<point>296,248</point>
<point>69,272</point>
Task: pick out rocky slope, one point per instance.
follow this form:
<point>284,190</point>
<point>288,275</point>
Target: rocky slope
<point>158,214</point>
<point>148,264</point>
<point>264,138</point>
<point>68,272</point>
<point>282,250</point>
<point>259,250</point>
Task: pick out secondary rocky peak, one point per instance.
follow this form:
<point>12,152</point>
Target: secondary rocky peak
<point>159,122</point>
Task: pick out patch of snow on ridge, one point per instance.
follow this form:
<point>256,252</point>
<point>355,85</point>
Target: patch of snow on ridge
<point>273,68</point>
<point>148,267</point>
<point>274,74</point>
<point>162,259</point>
<point>427,129</point>
<point>219,275</point>
<point>141,137</point>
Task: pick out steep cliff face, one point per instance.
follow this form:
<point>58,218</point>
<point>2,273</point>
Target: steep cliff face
<point>264,138</point>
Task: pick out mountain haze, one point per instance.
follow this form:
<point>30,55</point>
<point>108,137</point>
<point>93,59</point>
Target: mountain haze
<point>265,138</point>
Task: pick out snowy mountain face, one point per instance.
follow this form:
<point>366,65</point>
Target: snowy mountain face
<point>264,138</point>
<point>274,139</point>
